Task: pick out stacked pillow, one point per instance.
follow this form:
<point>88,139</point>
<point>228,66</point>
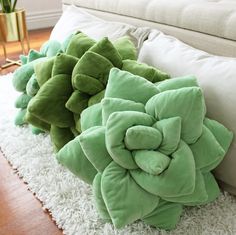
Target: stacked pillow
<point>141,139</point>
<point>24,79</point>
<point>73,80</point>
<point>149,152</point>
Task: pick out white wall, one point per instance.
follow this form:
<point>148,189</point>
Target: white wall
<point>41,13</point>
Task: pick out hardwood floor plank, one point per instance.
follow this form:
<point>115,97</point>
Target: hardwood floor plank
<point>20,212</point>
<point>37,38</point>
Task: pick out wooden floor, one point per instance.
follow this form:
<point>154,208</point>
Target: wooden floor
<point>20,212</point>
<point>37,38</point>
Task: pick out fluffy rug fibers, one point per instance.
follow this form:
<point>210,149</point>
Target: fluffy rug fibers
<point>69,200</point>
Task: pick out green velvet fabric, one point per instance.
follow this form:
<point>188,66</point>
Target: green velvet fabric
<point>79,44</point>
<point>36,69</point>
<point>24,81</point>
<point>106,49</point>
<point>22,75</point>
<point>90,75</point>
<point>36,122</point>
<point>99,202</point>
<point>83,73</point>
<point>34,55</point>
<point>66,42</point>
<point>43,71</point>
<point>158,217</point>
<point>20,117</point>
<point>23,59</point>
<point>60,136</point>
<point>146,145</point>
<point>152,147</point>
<point>150,73</point>
<point>49,103</point>
<point>77,163</point>
<point>35,130</point>
<point>96,98</point>
<point>50,48</point>
<point>63,64</point>
<point>22,101</point>
<point>92,116</point>
<point>32,86</point>
<point>77,102</point>
<point>63,85</point>
<point>126,48</point>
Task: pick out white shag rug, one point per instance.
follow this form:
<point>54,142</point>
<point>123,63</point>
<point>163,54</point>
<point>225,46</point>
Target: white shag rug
<point>69,200</point>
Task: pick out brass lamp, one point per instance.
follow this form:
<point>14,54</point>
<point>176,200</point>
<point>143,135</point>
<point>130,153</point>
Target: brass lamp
<point>13,28</point>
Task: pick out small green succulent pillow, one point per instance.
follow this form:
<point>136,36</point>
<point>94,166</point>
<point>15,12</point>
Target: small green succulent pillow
<point>21,78</point>
<point>152,153</point>
<point>25,79</point>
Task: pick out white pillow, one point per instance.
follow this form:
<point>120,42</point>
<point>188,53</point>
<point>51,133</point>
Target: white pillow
<point>74,19</point>
<point>217,77</point>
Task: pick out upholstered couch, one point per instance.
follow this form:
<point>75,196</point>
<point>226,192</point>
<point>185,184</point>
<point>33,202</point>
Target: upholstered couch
<point>208,25</point>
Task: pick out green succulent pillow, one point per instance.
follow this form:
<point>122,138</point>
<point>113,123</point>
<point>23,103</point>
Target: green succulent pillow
<point>36,69</point>
<point>21,78</point>
<point>70,82</point>
<point>48,105</point>
<point>153,153</point>
<point>90,75</point>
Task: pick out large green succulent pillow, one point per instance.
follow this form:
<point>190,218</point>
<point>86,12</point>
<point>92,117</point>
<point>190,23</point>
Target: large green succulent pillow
<point>70,82</point>
<point>152,152</point>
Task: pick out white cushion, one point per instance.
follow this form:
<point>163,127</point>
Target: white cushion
<point>215,17</point>
<point>74,19</point>
<point>215,74</point>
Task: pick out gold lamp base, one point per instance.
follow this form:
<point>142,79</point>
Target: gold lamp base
<point>13,29</point>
